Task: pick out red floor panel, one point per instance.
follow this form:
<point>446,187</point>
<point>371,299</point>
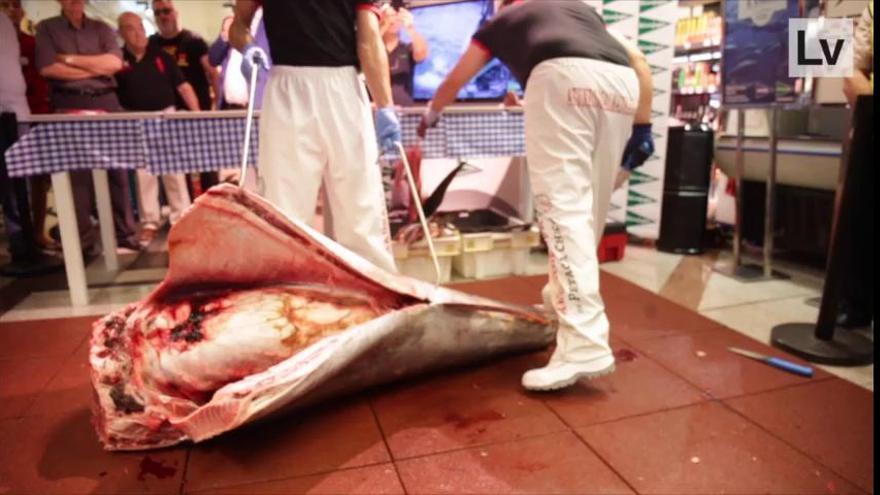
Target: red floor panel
<point>70,388</point>
<point>21,381</point>
<point>343,434</point>
<point>705,449</point>
<point>475,407</point>
<point>473,430</point>
<point>60,454</point>
<point>555,463</point>
<point>379,480</point>
<point>703,359</point>
<point>638,386</point>
<point>43,338</point>
<point>831,421</point>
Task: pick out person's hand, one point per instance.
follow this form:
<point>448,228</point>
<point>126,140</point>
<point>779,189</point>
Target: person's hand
<point>621,178</point>
<point>511,99</point>
<point>387,128</point>
<point>639,148</point>
<point>429,119</point>
<point>405,17</point>
<point>253,56</point>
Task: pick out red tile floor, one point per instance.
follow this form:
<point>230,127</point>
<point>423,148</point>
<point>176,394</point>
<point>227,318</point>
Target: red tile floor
<point>680,416</point>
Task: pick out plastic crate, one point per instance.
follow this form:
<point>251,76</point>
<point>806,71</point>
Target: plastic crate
<point>613,243</point>
<point>493,254</point>
<point>415,260</point>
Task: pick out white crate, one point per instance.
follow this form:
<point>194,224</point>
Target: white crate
<point>415,260</point>
<point>486,255</point>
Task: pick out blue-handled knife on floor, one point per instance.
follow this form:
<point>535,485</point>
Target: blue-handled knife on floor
<point>782,364</point>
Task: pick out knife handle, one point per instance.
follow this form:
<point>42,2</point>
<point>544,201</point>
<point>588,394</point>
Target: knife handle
<point>790,367</point>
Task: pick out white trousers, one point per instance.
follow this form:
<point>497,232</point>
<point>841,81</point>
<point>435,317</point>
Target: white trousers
<point>316,125</point>
<point>578,118</point>
<point>148,197</point>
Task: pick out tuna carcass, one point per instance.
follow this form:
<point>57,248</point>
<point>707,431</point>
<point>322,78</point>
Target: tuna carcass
<point>260,313</point>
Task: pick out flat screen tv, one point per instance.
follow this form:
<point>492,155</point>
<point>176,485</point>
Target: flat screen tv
<point>448,28</point>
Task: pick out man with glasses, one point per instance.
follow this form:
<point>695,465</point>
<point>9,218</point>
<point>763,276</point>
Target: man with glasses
<point>190,52</point>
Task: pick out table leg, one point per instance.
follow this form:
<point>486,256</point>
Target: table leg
<point>105,219</point>
<point>70,245</point>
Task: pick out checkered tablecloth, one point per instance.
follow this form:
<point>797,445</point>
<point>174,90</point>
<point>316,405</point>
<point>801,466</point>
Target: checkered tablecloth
<point>197,145</point>
<point>165,145</point>
<point>63,146</point>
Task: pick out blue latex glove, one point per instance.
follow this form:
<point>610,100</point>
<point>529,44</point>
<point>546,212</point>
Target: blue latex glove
<point>639,148</point>
<point>253,56</point>
<point>387,128</point>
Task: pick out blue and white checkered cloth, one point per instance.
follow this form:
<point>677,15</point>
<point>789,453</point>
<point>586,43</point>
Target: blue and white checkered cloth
<point>197,145</point>
<point>167,146</point>
<point>65,146</point>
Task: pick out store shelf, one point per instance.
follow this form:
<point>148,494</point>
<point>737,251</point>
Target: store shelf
<point>709,44</point>
<point>710,90</point>
<point>696,57</point>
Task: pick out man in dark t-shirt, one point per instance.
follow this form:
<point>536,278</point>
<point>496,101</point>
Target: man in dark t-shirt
<point>586,87</point>
<point>189,51</point>
<point>151,81</point>
<point>316,120</point>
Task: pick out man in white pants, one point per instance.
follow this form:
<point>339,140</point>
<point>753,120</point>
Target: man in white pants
<point>316,122</point>
<point>581,100</point>
<point>150,81</point>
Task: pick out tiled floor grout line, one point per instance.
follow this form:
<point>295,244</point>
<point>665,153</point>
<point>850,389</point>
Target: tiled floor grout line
<point>286,478</point>
<point>482,445</point>
<point>793,447</point>
<point>713,397</point>
<point>54,375</point>
<point>182,489</point>
<point>700,311</point>
<point>590,448</point>
<point>387,446</point>
<point>812,381</point>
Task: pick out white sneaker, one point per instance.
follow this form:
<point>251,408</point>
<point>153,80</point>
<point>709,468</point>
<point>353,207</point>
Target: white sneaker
<point>560,374</point>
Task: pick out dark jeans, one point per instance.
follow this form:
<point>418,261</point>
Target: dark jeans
<point>13,198</point>
<point>83,187</point>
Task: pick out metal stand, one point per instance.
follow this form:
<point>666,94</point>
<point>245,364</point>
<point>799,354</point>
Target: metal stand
<point>751,272</point>
<point>823,342</point>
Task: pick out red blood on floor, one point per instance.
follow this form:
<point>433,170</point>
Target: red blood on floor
<point>462,422</point>
<point>156,468</point>
<point>625,355</point>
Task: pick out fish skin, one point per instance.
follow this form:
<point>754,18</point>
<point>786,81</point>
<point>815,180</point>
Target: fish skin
<point>234,241</point>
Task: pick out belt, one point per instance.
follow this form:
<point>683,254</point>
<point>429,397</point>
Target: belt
<point>83,91</point>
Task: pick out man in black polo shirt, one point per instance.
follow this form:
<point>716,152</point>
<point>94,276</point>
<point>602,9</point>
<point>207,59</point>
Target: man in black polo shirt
<point>190,52</point>
<point>78,56</point>
<point>316,120</point>
<point>587,113</point>
<point>151,81</point>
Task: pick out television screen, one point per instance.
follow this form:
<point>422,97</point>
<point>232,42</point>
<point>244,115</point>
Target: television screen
<point>448,29</point>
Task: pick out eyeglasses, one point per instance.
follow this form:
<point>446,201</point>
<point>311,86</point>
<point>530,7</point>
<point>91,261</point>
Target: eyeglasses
<point>165,11</point>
